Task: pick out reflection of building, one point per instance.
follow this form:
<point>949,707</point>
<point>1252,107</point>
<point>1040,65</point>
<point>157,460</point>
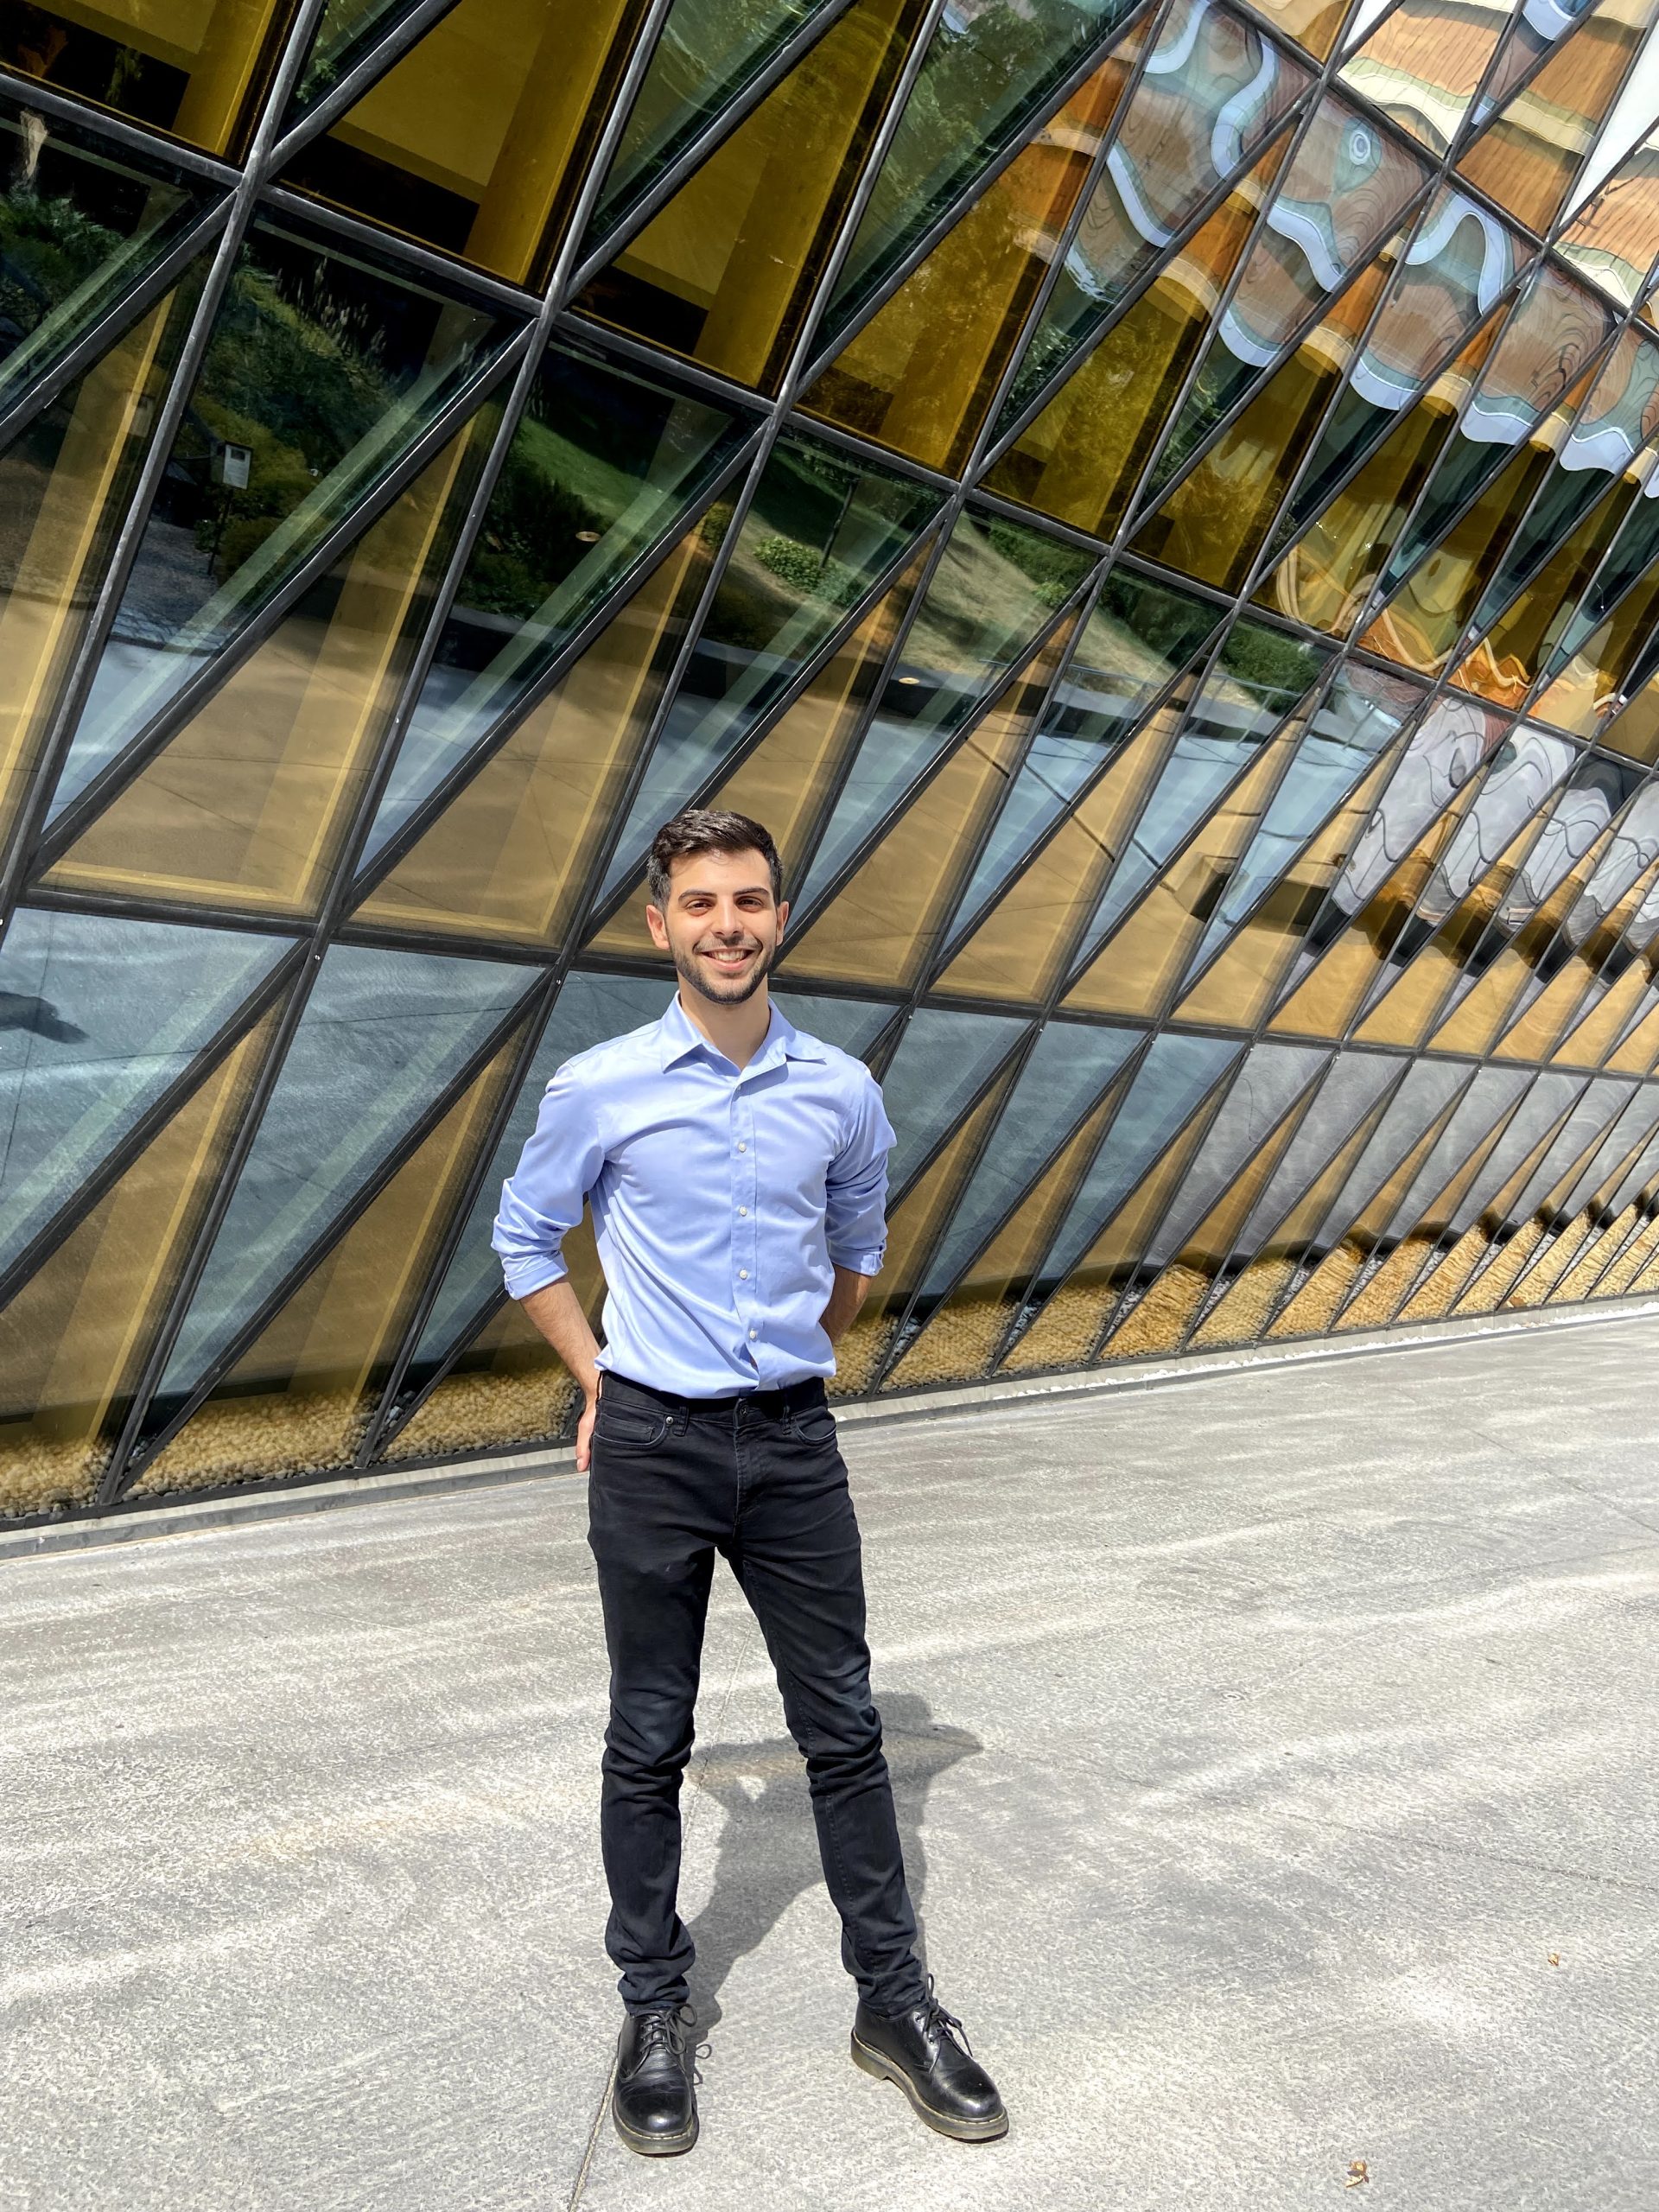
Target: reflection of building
<point>1156,529</point>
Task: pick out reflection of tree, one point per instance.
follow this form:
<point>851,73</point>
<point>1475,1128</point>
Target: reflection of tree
<point>48,246</point>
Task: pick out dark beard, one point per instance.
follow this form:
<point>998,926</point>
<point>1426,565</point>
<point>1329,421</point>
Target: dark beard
<point>689,972</point>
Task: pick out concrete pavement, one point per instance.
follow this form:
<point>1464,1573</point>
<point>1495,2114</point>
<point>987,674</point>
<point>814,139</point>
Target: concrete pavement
<point>1274,1753</point>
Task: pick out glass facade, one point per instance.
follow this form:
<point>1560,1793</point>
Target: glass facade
<point>1153,504</point>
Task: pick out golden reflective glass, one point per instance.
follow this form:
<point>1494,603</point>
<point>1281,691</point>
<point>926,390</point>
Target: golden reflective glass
<point>1080,459</point>
<point>1024,943</point>
<point>508,1385</point>
<point>194,67</point>
<point>507,858</point>
<point>1071,1325</point>
<point>1528,158</point>
<point>475,140</point>
<point>247,804</point>
<point>1212,524</point>
<point>64,488</point>
<point>302,1394</point>
<point>959,1340</point>
<point>921,373</point>
<point>1144,959</point>
<point>73,1335</point>
<point>725,272</point>
<point>913,1227</point>
<point>885,923</point>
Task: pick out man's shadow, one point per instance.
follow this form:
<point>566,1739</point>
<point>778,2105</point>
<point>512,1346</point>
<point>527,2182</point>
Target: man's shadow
<point>769,1847</point>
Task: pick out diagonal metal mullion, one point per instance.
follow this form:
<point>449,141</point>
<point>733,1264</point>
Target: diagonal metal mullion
<point>788,386</point>
<point>89,647</point>
<point>1000,689</point>
<point>106,329</point>
<point>1135,291</point>
<point>317,1249</point>
<point>697,151</point>
<point>84,115</point>
<point>866,308</point>
<point>220,667</point>
<point>369,67</point>
<point>357,234</point>
<point>478,755</point>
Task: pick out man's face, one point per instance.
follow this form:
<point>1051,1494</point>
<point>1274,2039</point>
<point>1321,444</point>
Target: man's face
<point>722,924</point>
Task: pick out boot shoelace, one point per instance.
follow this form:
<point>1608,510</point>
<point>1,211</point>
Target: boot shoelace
<point>665,2031</point>
<point>939,2022</point>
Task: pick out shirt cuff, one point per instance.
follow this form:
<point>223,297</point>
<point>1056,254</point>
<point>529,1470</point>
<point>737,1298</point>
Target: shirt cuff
<point>866,1262</point>
<point>523,1277</point>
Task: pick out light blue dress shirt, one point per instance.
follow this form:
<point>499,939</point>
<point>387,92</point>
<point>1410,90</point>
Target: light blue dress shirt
<point>722,1199</point>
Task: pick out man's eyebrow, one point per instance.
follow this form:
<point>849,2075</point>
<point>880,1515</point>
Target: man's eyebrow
<point>706,890</point>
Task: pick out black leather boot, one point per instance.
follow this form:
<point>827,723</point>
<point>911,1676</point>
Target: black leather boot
<point>654,2102</point>
<point>919,2050</point>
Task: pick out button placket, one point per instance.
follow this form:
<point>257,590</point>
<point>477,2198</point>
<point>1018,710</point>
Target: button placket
<point>745,1220</point>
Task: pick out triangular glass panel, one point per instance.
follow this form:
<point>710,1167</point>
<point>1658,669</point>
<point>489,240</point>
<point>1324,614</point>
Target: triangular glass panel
<point>608,465</point>
<point>989,76</point>
<point>887,921</point>
<point>1237,721</point>
<point>476,139</point>
<point>994,588</point>
<point>1528,157</point>
<point>321,371</point>
<point>820,533</point>
<point>66,483</point>
<point>588,1009</point>
<point>508,857</point>
<point>1068,1068</point>
<point>957,1338</point>
<point>707,55</point>
<point>99,1017</point>
<point>84,222</point>
<point>1423,65</point>
<point>74,1335</point>
<point>726,270</point>
<point>943,1058</point>
<point>1137,640</point>
<point>1218,89</point>
<point>301,1396</point>
<point>1081,455</point>
<point>1610,239</point>
<point>922,373</point>
<point>383,1035</point>
<point>1213,523</point>
<point>1345,190</point>
<point>248,803</point>
<point>913,1225</point>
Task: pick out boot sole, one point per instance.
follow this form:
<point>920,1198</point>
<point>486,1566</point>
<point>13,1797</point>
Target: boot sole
<point>655,2147</point>
<point>960,2131</point>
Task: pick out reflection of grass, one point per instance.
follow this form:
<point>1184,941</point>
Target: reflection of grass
<point>47,248</point>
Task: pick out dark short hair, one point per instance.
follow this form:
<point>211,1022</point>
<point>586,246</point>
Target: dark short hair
<point>707,829</point>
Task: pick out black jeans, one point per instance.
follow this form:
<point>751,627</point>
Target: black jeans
<point>761,1480</point>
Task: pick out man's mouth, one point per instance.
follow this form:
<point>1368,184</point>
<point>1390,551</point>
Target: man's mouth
<point>730,957</point>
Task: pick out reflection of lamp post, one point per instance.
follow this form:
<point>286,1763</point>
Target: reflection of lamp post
<point>232,467</point>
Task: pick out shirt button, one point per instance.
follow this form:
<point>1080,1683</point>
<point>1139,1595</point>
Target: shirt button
<point>753,1333</point>
<point>743,1274</point>
<point>743,1208</point>
<point>742,1148</point>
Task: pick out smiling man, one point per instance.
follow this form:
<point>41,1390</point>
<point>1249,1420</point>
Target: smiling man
<point>737,1172</point>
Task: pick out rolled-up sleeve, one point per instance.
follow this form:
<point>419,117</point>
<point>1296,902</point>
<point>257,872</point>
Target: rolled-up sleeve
<point>855,1188</point>
<point>543,1197</point>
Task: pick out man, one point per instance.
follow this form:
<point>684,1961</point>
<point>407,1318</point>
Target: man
<point>737,1170</point>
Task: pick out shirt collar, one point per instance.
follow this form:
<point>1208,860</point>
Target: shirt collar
<point>678,1039</point>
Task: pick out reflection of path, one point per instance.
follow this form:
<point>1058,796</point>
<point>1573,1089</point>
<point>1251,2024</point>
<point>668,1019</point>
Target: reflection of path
<point>769,1847</point>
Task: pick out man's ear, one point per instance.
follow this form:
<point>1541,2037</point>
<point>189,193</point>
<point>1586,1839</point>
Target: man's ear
<point>657,926</point>
<point>783,915</point>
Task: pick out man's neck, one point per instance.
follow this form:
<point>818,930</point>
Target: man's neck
<point>738,1031</point>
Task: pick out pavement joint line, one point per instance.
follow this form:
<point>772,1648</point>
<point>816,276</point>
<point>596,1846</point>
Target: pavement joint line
<point>276,1501</point>
<point>588,2154</point>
